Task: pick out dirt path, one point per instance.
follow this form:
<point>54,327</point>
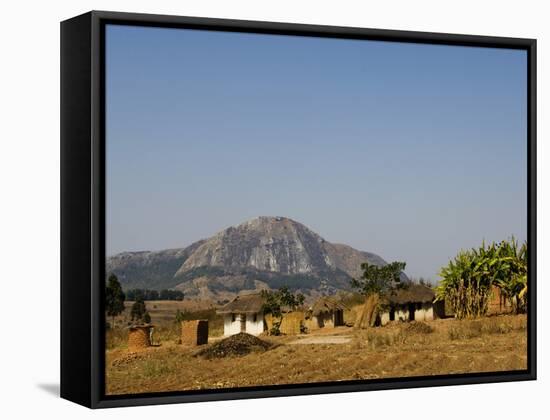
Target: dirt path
<point>323,339</point>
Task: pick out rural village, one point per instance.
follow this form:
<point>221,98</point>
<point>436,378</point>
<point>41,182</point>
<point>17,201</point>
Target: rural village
<point>383,328</point>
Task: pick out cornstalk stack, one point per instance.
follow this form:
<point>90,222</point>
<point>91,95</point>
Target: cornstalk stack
<point>368,312</point>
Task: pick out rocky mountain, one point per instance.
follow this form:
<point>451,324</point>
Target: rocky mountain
<point>265,252</point>
<point>148,269</point>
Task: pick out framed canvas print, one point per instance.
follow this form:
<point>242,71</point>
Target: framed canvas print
<point>254,209</point>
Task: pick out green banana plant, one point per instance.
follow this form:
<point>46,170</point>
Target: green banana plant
<point>466,282</point>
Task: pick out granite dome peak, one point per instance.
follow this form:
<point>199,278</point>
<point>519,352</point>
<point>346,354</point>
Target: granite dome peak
<point>263,252</point>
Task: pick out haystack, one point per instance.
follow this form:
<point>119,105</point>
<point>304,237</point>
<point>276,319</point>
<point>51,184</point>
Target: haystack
<point>368,313</point>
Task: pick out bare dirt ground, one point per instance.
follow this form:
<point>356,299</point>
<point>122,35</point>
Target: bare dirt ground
<point>323,339</point>
<point>397,350</point>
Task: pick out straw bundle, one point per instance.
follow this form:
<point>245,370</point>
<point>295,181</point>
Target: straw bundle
<point>292,321</point>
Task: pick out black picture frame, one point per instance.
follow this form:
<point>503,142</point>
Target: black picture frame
<point>83,206</point>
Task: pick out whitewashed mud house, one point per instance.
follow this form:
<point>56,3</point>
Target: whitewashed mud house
<point>243,314</point>
<point>413,303</point>
<point>325,312</point>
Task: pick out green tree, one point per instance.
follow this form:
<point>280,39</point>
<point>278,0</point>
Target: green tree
<point>374,283</point>
<point>276,301</point>
<point>179,316</point>
<point>378,280</point>
<point>147,317</point>
<point>114,298</point>
<point>138,309</point>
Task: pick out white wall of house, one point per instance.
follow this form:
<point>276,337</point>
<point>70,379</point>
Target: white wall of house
<point>232,323</point>
<point>425,313</point>
<point>430,316</point>
<point>419,314</point>
<point>401,314</point>
<point>384,318</point>
<point>324,320</point>
<point>231,327</point>
<point>255,323</point>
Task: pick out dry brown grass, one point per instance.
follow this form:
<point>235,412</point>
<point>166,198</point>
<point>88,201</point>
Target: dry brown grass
<point>491,325</point>
<point>396,350</point>
<point>163,317</point>
<point>162,311</point>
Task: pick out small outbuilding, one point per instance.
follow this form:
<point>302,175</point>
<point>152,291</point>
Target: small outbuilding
<point>195,332</point>
<point>325,312</point>
<point>414,302</point>
<point>139,336</point>
<point>243,314</point>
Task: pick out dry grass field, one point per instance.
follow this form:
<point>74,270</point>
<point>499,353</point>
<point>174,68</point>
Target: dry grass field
<point>164,310</point>
<point>163,318</point>
<point>446,346</point>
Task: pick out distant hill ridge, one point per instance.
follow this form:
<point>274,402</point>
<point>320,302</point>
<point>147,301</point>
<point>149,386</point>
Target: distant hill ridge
<point>265,252</point>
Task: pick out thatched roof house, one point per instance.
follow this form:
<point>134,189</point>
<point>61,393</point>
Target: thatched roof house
<point>243,304</point>
<point>413,293</point>
<point>326,304</point>
<point>326,312</point>
<point>413,302</point>
<point>243,314</point>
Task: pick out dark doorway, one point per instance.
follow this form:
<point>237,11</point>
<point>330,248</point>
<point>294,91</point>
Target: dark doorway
<point>243,323</point>
<point>320,321</point>
<point>412,309</point>
<point>392,314</point>
<point>338,318</point>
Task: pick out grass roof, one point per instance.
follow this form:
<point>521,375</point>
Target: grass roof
<point>243,304</point>
<point>327,304</point>
<point>413,293</point>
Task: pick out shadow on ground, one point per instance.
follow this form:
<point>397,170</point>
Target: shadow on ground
<point>52,389</point>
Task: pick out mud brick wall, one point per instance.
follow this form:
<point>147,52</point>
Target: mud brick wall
<point>194,333</point>
<point>138,338</point>
<point>312,324</point>
<point>498,304</point>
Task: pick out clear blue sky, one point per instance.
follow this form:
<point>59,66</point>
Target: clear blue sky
<point>406,150</point>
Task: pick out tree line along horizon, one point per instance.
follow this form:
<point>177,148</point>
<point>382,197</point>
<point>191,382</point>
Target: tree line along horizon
<point>466,283</point>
